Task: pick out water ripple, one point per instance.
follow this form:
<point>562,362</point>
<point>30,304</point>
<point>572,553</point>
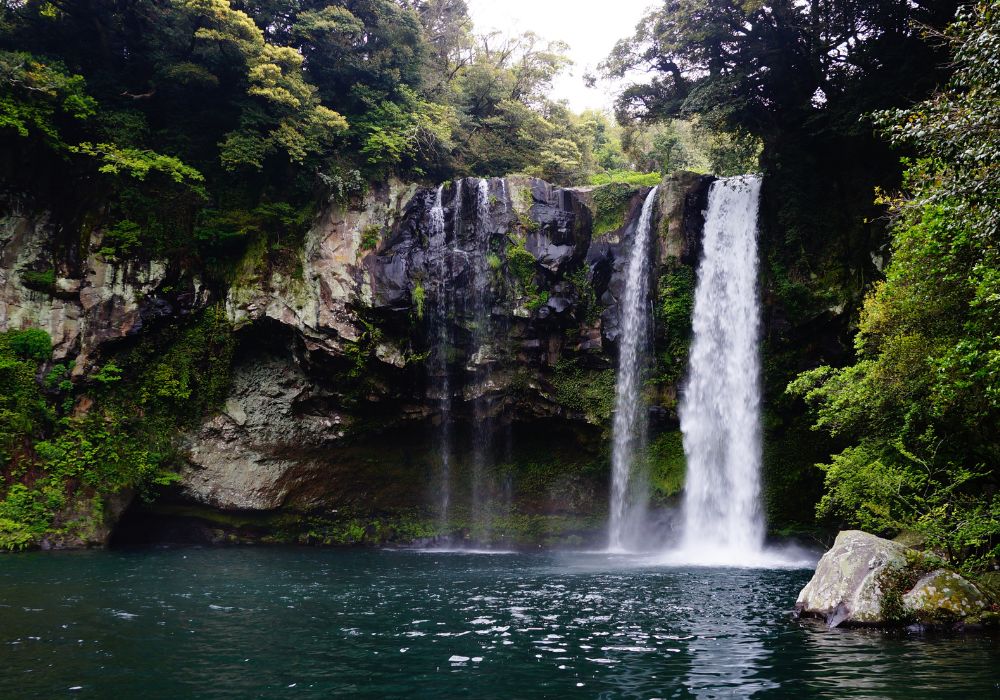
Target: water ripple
<point>270,622</point>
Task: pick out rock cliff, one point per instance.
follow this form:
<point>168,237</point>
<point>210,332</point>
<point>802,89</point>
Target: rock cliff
<point>484,309</point>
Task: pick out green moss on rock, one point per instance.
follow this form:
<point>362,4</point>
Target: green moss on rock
<point>588,392</point>
<point>667,464</point>
<point>610,205</point>
<point>675,302</point>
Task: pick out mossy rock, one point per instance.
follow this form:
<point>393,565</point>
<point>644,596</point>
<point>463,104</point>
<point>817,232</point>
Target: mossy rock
<point>667,464</point>
<point>610,206</point>
<point>945,596</point>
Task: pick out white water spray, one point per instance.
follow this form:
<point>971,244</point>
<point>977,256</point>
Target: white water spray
<point>628,493</point>
<point>720,406</point>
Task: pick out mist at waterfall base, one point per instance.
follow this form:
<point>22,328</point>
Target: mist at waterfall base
<point>721,522</point>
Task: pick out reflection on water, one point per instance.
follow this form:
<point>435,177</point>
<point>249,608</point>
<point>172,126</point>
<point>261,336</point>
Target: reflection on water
<point>307,623</point>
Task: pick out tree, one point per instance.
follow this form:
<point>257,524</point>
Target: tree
<point>921,405</point>
<point>763,66</point>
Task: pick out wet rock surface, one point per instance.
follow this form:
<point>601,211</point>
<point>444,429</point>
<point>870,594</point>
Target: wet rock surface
<point>862,581</point>
<point>333,413</point>
<point>845,588</point>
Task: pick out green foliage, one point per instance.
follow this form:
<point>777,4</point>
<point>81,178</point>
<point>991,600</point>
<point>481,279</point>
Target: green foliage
<point>284,103</point>
<point>586,295</point>
<point>42,281</point>
<point>410,131</point>
<point>667,464</point>
<point>38,93</point>
<point>121,239</point>
<point>610,204</point>
<point>894,582</point>
<point>26,514</point>
<point>588,392</point>
<point>536,299</point>
<point>30,344</point>
<point>419,299</point>
<point>523,268</point>
<point>124,440</point>
<point>956,131</point>
<point>269,228</point>
<point>521,263</point>
<point>920,405</point>
<point>186,376</point>
<point>668,146</point>
<point>139,163</point>
<point>23,409</point>
<point>370,237</point>
<point>675,302</point>
<point>625,177</point>
<point>109,373</point>
<point>561,160</point>
<point>739,65</point>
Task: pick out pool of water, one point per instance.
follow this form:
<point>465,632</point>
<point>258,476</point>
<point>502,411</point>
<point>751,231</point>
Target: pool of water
<point>305,623</point>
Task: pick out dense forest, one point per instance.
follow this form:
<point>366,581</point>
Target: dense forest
<point>193,130</point>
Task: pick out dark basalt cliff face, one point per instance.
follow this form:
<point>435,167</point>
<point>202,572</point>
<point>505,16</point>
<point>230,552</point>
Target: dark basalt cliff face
<point>492,321</point>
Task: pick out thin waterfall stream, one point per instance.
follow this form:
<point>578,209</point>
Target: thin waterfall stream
<point>480,368</point>
<point>440,312</point>
<point>460,317</point>
<point>629,429</point>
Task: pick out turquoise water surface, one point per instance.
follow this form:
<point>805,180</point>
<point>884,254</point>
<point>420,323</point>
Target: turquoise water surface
<point>309,623</point>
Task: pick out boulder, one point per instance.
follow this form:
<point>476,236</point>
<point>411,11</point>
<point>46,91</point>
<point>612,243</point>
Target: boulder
<point>943,595</point>
<point>845,588</point>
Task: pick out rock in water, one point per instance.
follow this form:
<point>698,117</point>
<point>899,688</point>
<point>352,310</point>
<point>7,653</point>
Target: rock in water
<point>943,595</point>
<point>845,589</point>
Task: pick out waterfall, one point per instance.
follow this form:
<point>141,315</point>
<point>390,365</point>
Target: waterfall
<point>460,318</point>
<point>438,365</point>
<point>481,298</point>
<point>628,487</point>
<point>720,406</point>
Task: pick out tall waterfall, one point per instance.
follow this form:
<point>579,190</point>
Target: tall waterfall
<point>438,364</point>
<point>481,299</point>
<point>629,430</point>
<point>460,325</point>
<point>720,406</point>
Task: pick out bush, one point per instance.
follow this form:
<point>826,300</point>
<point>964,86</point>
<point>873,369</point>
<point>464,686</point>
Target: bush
<point>610,202</point>
<point>30,344</point>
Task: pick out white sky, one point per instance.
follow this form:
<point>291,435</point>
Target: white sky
<point>590,27</point>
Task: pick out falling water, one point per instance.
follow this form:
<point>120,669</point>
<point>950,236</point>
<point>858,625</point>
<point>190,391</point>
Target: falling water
<point>462,297</point>
<point>629,427</point>
<point>439,315</point>
<point>720,407</point>
<point>481,297</point>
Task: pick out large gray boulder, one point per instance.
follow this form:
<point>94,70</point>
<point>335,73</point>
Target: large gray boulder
<point>845,588</point>
<point>848,587</point>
